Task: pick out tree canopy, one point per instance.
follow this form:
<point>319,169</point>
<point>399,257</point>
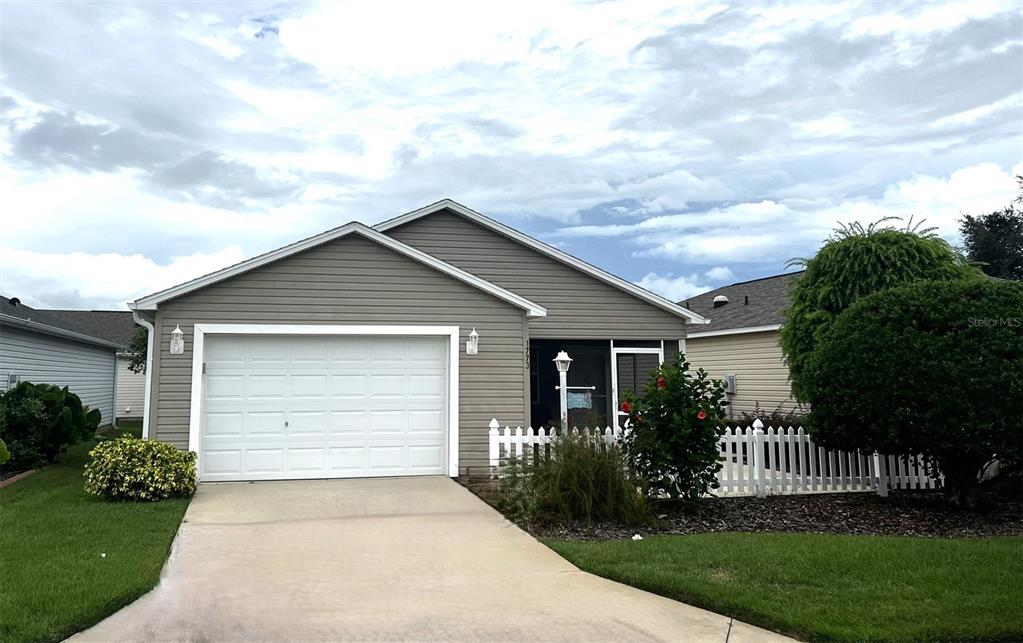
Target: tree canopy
<point>995,240</point>
<point>854,262</point>
<point>932,368</point>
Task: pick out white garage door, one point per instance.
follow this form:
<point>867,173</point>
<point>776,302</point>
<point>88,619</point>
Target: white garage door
<point>286,407</point>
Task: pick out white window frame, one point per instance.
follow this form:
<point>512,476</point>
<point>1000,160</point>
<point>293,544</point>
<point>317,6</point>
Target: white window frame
<point>615,352</point>
<point>195,423</point>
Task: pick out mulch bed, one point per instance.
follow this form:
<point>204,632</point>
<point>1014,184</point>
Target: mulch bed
<point>913,513</point>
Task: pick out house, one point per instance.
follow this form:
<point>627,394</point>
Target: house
<point>387,350</point>
<point>119,327</point>
<point>742,340</point>
<point>40,347</point>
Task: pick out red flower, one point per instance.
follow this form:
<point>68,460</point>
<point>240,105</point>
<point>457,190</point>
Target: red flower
<point>702,415</point>
<point>626,407</point>
<point>662,383</point>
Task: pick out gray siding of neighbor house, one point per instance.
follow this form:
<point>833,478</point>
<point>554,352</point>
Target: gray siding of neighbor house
<point>87,370</point>
<point>131,390</point>
<point>579,306</point>
<point>354,281</point>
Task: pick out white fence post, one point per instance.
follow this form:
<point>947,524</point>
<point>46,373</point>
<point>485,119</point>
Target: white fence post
<point>758,458</point>
<point>881,466</point>
<point>495,448</point>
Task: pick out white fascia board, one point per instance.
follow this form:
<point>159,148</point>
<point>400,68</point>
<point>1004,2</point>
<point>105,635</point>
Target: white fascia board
<point>46,329</point>
<point>734,331</point>
<point>150,302</point>
<point>548,250</point>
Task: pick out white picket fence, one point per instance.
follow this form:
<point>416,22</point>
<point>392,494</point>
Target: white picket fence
<point>754,461</point>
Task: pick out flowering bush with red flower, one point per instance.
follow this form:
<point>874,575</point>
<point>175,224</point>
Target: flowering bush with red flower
<point>674,429</point>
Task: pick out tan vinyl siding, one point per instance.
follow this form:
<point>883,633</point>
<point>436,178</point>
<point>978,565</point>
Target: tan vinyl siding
<point>579,306</point>
<point>86,369</point>
<point>354,281</point>
<point>758,364</point>
<point>131,389</point>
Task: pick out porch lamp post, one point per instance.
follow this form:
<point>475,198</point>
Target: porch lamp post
<point>563,361</point>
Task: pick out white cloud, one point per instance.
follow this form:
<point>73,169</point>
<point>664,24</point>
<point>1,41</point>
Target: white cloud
<point>719,273</point>
<point>107,280</point>
<point>671,287</point>
<point>778,231</point>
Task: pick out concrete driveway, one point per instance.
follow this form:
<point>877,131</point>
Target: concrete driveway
<point>396,559</point>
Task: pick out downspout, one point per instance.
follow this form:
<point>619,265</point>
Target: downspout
<point>113,412</point>
<point>150,338</point>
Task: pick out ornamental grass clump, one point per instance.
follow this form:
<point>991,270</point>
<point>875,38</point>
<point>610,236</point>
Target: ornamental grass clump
<point>584,480</point>
<point>674,432</point>
<point>141,470</point>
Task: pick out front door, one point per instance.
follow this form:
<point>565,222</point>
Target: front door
<point>632,368</point>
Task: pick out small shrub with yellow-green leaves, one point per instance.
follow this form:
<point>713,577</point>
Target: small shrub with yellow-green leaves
<point>141,470</point>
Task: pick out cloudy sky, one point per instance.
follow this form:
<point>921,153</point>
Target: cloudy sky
<point>682,147</point>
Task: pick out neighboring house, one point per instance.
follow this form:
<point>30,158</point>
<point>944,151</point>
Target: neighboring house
<point>117,326</point>
<point>40,347</point>
<point>742,340</point>
<point>345,354</point>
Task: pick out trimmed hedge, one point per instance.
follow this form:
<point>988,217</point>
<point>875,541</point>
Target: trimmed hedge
<point>142,470</point>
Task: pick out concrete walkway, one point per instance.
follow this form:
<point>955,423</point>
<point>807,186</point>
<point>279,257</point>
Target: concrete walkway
<point>398,559</point>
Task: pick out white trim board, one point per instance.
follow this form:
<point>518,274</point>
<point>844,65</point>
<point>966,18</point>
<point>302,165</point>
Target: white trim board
<point>548,250</point>
<point>198,350</point>
<point>150,302</point>
<point>734,331</point>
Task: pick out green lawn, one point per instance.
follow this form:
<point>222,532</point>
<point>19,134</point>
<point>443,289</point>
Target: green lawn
<point>829,588</point>
<point>54,580</point>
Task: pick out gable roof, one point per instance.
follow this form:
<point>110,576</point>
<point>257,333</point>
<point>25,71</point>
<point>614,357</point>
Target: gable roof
<point>150,302</point>
<point>550,251</point>
<point>44,321</point>
<point>116,326</point>
<point>768,297</point>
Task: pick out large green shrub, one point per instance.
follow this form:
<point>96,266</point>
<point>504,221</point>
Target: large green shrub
<point>38,421</point>
<point>132,469</point>
<point>931,368</point>
<point>5,455</point>
<point>855,262</point>
<point>675,428</point>
<point>583,480</point>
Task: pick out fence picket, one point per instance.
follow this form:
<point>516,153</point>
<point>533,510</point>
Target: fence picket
<point>796,464</point>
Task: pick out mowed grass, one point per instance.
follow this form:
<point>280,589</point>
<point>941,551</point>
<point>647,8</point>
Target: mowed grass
<point>829,588</point>
<point>54,579</point>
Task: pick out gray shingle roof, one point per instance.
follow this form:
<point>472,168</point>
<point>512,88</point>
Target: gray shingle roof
<point>767,298</point>
<point>116,326</point>
<point>113,326</point>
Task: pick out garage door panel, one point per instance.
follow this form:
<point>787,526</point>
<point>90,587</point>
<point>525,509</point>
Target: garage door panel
<point>266,387</point>
<point>308,386</point>
<point>224,424</point>
<point>264,423</point>
<point>225,387</point>
<point>308,407</point>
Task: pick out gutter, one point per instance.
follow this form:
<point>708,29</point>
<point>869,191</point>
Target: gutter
<point>733,331</point>
<point>150,339</point>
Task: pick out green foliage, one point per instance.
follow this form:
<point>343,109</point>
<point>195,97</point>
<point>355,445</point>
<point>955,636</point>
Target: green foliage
<point>583,480</point>
<point>5,455</point>
<point>779,416</point>
<point>855,262</point>
<point>39,421</point>
<point>673,441</point>
<point>932,368</point>
<point>139,348</point>
<point>995,240</point>
<point>143,470</point>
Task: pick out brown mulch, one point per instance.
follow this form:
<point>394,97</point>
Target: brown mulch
<point>916,513</point>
